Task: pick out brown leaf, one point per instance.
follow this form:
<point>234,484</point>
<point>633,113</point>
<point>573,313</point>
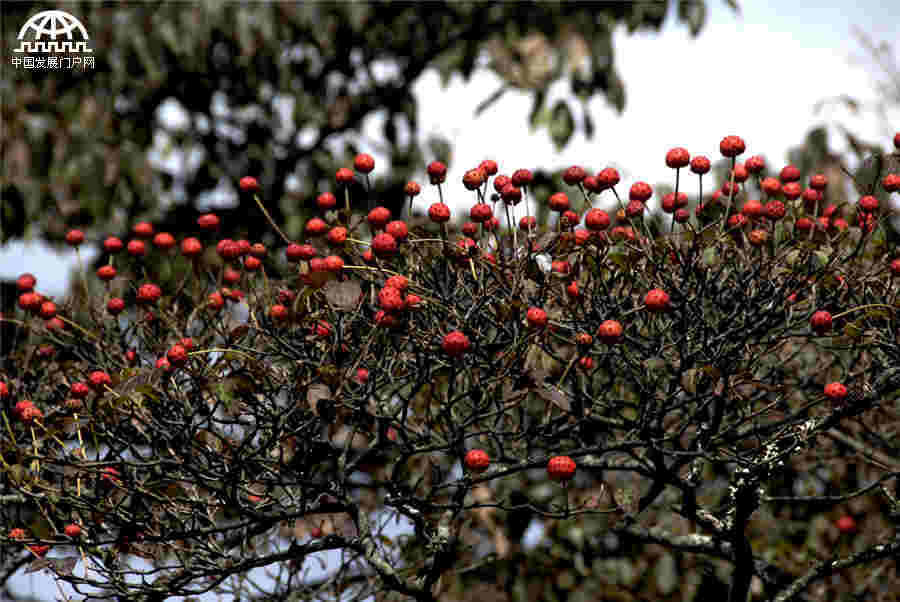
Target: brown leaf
<point>316,393</point>
<point>343,295</point>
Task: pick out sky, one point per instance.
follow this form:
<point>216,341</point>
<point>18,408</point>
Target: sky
<point>757,75</point>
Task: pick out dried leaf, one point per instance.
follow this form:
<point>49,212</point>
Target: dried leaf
<point>316,393</point>
<point>343,295</point>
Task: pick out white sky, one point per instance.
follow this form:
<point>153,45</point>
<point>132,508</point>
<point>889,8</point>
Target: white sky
<point>757,76</point>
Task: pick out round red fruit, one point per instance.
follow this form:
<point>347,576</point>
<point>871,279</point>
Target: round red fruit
<point>677,158</point>
<point>437,172</point>
<point>836,392</point>
<point>143,230</point>
<point>657,301</point>
<point>326,201</point>
<point>208,222</point>
<point>249,184</point>
<point>439,213</point>
<point>640,191</point>
<point>384,245</point>
<point>732,146</point>
<point>455,343</point>
<point>363,163</point>
<point>536,317</point>
<point>846,524</point>
<point>610,332</point>
<point>477,460</point>
<point>561,468</point>
<point>820,321</point>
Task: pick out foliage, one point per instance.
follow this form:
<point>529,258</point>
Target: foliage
<point>706,441</point>
<point>279,91</point>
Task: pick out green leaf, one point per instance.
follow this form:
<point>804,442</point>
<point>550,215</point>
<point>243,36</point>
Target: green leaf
<point>562,124</point>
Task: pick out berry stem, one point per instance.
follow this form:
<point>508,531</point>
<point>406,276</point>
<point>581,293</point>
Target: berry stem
<point>730,196</point>
<point>270,220</point>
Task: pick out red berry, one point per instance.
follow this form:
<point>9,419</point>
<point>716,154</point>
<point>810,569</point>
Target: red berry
<point>597,220</point>
<point>413,301</point>
<point>439,213</point>
<point>640,191</point>
<point>803,224</point>
<point>316,227</point>
<point>455,343</point>
<point>344,175</point>
<point>39,551</point>
<point>537,317</point>
<point>30,302</point>
<point>522,177</point>
<point>700,165</point>
<point>177,355</point>
<point>474,178</point>
<point>634,209</point>
<point>148,293</point>
<point>574,175</point>
<point>559,202</point>
<point>437,172</point>
<point>818,181</point>
<point>4,390</point>
<point>322,329</point>
<point>610,332</point>
<point>31,414</point>
<point>897,140</point>
<point>164,241</point>
<point>208,222</point>
<point>279,313</point>
<point>775,210</point>
<point>363,163</point>
<point>326,201</point>
<point>477,460</point>
<point>469,228</point>
<point>677,158</point>
<point>586,363</point>
<point>412,189</point>
<point>481,212</point>
<point>757,238</point>
<point>48,310</point>
<point>836,392</point>
<point>21,406</point>
<point>17,533</point>
<point>752,209</point>
<point>770,186</point>
<point>731,146</point>
<point>106,273</point>
<point>489,166</point>
<point>142,230</point>
<point>820,321</point>
<point>669,203</point>
<point>572,290</point>
<point>561,468</point>
<point>379,217</point>
<point>362,375</point>
<point>755,164</point>
<point>315,532</point>
<point>846,524</point>
<point>72,530</point>
<point>740,173</point>
<point>137,248</point>
<point>895,267</point>
<point>390,299</point>
<point>191,247</point>
<point>113,245</point>
<point>792,190</point>
<point>868,204</point>
<point>790,174</point>
<point>527,223</point>
<point>397,281</point>
<point>26,283</point>
<point>334,264</point>
<point>384,245</point>
<point>656,301</point>
<point>337,236</point>
<point>891,182</point>
<point>608,177</point>
<point>249,184</point>
<point>99,379</point>
<point>511,194</point>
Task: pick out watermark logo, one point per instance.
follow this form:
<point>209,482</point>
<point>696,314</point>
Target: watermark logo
<point>49,34</point>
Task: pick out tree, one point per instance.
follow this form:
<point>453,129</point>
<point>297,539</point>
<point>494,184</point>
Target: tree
<point>713,402</point>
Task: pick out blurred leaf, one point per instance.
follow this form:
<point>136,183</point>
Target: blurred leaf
<point>562,124</point>
<point>693,14</point>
